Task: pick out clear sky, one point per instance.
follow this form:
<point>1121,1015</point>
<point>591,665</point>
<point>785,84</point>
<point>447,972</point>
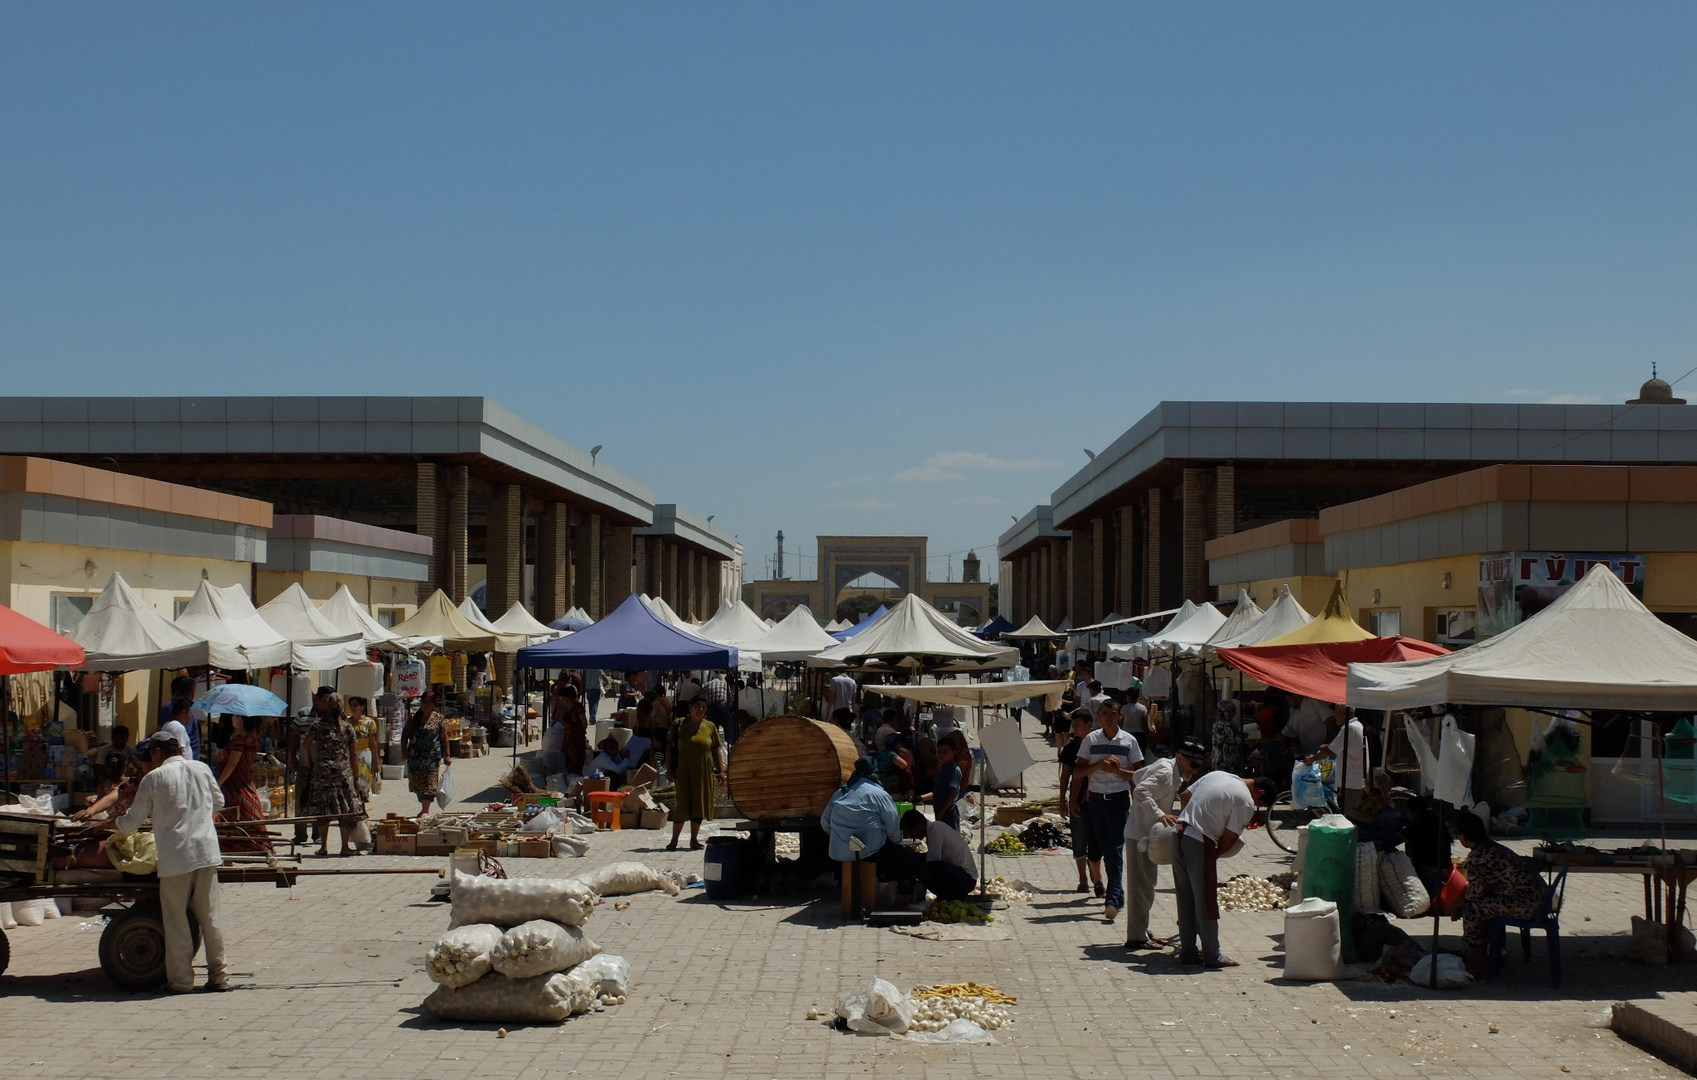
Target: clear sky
<point>880,268</point>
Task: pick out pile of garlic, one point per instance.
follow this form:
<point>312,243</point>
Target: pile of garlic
<point>998,888</point>
<point>937,1013</point>
<point>1246,893</point>
<point>612,999</point>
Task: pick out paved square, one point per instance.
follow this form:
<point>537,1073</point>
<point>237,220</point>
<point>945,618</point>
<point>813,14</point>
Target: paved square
<point>329,979</point>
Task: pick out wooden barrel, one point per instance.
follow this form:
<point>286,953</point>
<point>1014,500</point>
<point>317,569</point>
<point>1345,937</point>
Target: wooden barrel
<point>788,766</point>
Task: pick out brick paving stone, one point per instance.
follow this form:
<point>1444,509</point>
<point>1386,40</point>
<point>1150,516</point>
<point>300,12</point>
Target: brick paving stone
<point>329,980</point>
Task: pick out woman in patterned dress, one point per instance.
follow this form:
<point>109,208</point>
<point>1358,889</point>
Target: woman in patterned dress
<point>1500,885</point>
<point>422,742</point>
<point>368,753</point>
<point>241,798</point>
<point>329,752</point>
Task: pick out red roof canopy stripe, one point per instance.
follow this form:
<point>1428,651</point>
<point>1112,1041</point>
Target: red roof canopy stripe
<point>26,645</point>
<point>1321,669</point>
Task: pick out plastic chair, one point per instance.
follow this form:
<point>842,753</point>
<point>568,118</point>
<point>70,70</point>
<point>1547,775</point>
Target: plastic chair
<point>1546,918</point>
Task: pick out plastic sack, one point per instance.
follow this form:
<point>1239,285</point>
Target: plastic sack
<point>445,786</point>
<point>962,1032</point>
<point>1452,973</point>
<point>461,956</point>
<point>29,912</point>
<point>545,822</point>
<point>613,971</point>
<point>8,921</point>
<point>1404,894</point>
<point>570,847</point>
<point>35,805</point>
<point>538,947</point>
<point>362,834</point>
<point>1313,941</point>
<point>135,853</point>
<point>1420,741</point>
<point>1648,943</point>
<point>496,999</point>
<point>875,1008</point>
<point>1329,869</point>
<point>625,878</point>
<point>1455,765</point>
<point>510,901</point>
<point>1367,879</point>
<point>580,825</point>
<point>1307,790</point>
<point>1159,844</point>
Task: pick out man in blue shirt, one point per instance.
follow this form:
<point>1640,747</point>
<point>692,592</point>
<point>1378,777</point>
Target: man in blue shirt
<point>861,818</point>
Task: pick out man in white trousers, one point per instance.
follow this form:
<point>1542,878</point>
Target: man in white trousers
<point>180,796</point>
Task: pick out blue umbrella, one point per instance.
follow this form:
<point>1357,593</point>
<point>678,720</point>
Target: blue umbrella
<point>240,699</point>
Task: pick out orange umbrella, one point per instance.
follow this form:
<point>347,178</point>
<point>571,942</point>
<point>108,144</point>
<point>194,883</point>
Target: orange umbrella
<point>26,645</point>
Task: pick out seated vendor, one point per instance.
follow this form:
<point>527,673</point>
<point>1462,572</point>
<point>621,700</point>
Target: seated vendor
<point>116,798</point>
<point>949,870</point>
<point>609,762</point>
<point>1500,885</point>
<point>895,768</point>
<point>861,818</point>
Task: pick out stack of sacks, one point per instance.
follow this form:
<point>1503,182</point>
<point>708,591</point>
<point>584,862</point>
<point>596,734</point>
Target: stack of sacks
<point>536,971</point>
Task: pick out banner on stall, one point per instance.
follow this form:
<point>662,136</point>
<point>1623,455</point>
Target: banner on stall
<point>1516,585</point>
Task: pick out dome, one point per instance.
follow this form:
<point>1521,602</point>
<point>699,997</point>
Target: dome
<point>1656,392</point>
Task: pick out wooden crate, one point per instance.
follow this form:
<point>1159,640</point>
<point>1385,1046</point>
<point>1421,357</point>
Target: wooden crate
<point>24,844</point>
<point>396,844</point>
<point>788,766</point>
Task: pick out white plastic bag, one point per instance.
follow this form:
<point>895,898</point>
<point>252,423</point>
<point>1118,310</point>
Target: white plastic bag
<point>875,1008</point>
<point>362,834</point>
<point>960,1032</point>
<point>461,956</point>
<point>8,921</point>
<point>570,847</point>
<point>496,999</point>
<point>545,822</point>
<point>34,805</point>
<point>1404,893</point>
<point>1159,845</point>
<point>581,825</point>
<point>613,971</point>
<point>1313,941</point>
<point>28,912</point>
<point>510,901</point>
<point>1366,879</point>
<point>1452,973</point>
<point>625,878</point>
<point>445,786</point>
<point>1455,765</point>
<point>539,947</point>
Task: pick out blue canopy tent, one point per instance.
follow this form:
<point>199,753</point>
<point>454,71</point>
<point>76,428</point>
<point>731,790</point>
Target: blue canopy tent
<point>995,628</point>
<point>629,639</point>
<point>844,635</point>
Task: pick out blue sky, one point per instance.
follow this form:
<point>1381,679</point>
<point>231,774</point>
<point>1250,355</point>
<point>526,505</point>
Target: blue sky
<point>874,268</point>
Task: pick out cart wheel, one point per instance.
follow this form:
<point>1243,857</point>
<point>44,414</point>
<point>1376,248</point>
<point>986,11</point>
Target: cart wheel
<point>1284,817</point>
<point>132,947</point>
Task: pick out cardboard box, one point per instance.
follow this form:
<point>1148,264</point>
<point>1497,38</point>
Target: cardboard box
<point>536,849</point>
<point>432,838</point>
<point>397,844</point>
<point>642,777</point>
<point>653,819</point>
<point>433,849</point>
<point>638,801</point>
<point>603,784</point>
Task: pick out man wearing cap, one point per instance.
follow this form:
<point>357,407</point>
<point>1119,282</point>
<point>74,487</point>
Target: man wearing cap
<point>1152,794</point>
<point>1217,808</point>
<point>1106,758</point>
<point>180,797</point>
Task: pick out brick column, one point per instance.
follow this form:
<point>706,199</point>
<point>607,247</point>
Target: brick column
<point>671,575</point>
<point>1195,534</point>
<point>1098,569</point>
<point>504,554</point>
<point>431,521</point>
<point>639,564</point>
<point>621,551</point>
<point>685,606</point>
<point>457,489</point>
<point>1126,550</point>
<point>553,562</point>
<point>1225,500</point>
<point>1078,577</point>
<point>1154,597</point>
<point>586,555</point>
<point>1044,599</point>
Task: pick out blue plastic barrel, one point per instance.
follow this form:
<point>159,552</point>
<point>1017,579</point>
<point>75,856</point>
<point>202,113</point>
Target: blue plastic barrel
<point>723,868</point>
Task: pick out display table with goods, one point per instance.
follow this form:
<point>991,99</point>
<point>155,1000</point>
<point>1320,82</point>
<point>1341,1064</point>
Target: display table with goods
<point>1667,875</point>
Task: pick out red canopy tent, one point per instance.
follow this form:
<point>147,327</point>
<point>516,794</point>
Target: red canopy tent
<point>26,645</point>
<point>1320,669</point>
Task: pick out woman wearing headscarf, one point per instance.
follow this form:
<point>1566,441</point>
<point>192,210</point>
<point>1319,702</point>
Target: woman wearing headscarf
<point>861,820</point>
<point>422,742</point>
<point>328,749</point>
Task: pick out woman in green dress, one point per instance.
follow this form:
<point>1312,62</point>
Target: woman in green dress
<point>695,761</point>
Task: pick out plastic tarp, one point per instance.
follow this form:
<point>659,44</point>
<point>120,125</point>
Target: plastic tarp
<point>633,636</point>
<point>1333,624</point>
<point>519,621</point>
<point>864,624</point>
<point>981,694</point>
<point>122,632</point>
<point>349,615</point>
<point>438,618</point>
<point>26,645</point>
<point>915,631</point>
<point>1033,630</point>
<point>319,644</point>
<point>1596,647</point>
<point>797,637</point>
<point>1318,670</point>
<point>239,638</point>
<point>1282,616</point>
<point>995,628</point>
<point>735,623</point>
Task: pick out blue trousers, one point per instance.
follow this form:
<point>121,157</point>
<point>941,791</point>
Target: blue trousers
<point>1107,822</point>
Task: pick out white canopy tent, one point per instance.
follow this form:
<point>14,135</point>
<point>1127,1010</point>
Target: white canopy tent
<point>519,621</point>
<point>1188,631</point>
<point>122,632</point>
<point>1243,616</point>
<point>735,623</point>
<point>659,607</point>
<point>239,639</point>
<point>319,644</point>
<point>1033,630</point>
<point>797,637</point>
<point>349,615</point>
<point>837,624</point>
<point>1282,616</point>
<point>915,631</point>
<point>477,618</point>
<point>1596,647</point>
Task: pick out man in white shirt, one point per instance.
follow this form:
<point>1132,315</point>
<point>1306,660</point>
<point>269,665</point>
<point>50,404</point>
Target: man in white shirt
<point>1217,808</point>
<point>180,796</point>
<point>843,689</point>
<point>1106,759</point>
<point>949,872</point>
<point>1153,791</point>
<point>1310,725</point>
<point>1353,767</point>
